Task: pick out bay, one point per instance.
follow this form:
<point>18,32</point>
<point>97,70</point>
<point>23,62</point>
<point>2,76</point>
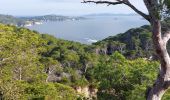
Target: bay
<point>92,29</point>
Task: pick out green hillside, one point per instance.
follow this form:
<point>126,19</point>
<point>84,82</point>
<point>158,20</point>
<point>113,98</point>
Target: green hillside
<point>37,66</point>
<point>134,43</point>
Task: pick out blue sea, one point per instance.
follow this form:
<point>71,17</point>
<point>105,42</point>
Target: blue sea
<point>91,29</point>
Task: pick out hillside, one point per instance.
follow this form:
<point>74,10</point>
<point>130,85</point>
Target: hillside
<point>134,43</point>
<point>39,66</point>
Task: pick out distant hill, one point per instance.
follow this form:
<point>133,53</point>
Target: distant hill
<point>51,18</point>
<point>8,19</point>
<point>109,14</point>
<point>28,21</point>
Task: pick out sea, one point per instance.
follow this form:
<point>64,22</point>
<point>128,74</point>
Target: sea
<point>91,29</point>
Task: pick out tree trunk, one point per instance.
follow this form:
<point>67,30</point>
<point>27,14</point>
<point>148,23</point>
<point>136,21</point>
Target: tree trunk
<point>20,73</point>
<point>153,6</point>
<point>163,80</point>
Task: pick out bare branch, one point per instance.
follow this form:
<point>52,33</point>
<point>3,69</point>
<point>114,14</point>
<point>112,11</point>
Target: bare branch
<point>104,2</point>
<point>138,11</point>
<point>126,2</point>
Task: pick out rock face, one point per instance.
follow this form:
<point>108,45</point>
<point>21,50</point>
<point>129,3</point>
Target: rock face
<point>101,51</point>
<point>87,91</point>
<point>52,77</point>
<point>110,48</point>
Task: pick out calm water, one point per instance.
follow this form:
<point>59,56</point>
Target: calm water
<point>90,30</point>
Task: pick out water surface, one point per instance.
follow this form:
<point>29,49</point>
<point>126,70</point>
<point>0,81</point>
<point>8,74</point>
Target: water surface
<point>90,30</point>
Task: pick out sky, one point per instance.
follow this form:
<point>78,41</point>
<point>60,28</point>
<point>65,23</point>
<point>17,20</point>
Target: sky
<point>62,7</point>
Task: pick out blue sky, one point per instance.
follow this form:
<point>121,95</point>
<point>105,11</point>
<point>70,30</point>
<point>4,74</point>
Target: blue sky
<point>61,7</point>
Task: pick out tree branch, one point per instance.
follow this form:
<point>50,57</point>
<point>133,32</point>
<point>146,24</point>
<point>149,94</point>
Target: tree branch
<point>126,2</point>
<point>104,2</point>
<point>138,11</point>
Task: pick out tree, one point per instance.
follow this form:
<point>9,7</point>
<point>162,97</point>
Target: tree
<point>158,9</point>
<point>123,79</point>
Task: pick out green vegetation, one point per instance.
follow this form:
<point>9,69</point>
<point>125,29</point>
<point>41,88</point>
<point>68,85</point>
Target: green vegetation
<point>37,66</point>
<point>133,44</point>
<point>122,79</point>
<point>22,75</point>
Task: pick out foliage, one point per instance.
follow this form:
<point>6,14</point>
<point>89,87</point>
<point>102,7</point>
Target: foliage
<point>22,73</point>
<point>122,79</point>
<point>39,66</point>
<point>132,44</point>
<point>37,91</point>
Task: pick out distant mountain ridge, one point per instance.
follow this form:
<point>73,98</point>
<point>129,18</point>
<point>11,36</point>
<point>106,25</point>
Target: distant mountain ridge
<point>28,21</point>
<point>110,14</point>
<point>51,17</point>
<point>31,20</point>
<point>9,19</point>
